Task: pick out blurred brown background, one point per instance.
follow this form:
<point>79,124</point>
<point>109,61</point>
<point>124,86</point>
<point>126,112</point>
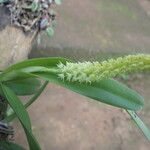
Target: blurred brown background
<point>92,30</point>
<point>89,28</point>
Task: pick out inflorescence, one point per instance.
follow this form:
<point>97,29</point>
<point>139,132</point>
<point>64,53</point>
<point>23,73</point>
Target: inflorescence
<point>95,71</point>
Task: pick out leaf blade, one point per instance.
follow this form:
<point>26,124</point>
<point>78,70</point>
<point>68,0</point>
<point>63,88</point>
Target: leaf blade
<point>107,91</point>
<point>17,106</point>
<point>44,62</point>
<point>22,115</point>
<point>10,146</point>
<point>24,87</point>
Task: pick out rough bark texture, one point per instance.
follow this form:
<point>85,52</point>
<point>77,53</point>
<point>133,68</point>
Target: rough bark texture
<point>14,44</point>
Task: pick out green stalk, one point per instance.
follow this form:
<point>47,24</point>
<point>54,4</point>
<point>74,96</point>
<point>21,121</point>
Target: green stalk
<point>140,124</point>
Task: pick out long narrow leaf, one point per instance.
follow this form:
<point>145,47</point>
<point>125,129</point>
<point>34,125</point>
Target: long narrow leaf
<point>33,143</point>
<point>22,115</point>
<point>107,91</point>
<point>27,86</point>
<point>43,62</point>
<point>14,71</point>
<point>5,145</point>
<point>17,106</point>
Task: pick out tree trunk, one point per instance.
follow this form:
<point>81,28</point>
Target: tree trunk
<point>15,46</point>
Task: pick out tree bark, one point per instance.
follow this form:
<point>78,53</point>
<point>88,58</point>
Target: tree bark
<point>15,45</point>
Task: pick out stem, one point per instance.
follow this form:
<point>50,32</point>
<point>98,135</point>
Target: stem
<point>13,115</point>
<point>140,124</point>
<point>36,95</point>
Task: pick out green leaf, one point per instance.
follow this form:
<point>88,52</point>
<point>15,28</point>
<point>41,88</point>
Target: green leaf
<point>58,2</point>
<point>14,71</point>
<point>22,115</point>
<point>107,91</point>
<point>33,144</point>
<point>13,76</point>
<point>140,124</point>
<point>17,106</point>
<point>24,87</point>
<point>5,145</point>
<point>43,62</point>
<point>34,6</point>
<point>50,31</point>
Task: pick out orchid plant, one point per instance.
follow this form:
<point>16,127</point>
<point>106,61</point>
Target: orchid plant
<point>24,78</point>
